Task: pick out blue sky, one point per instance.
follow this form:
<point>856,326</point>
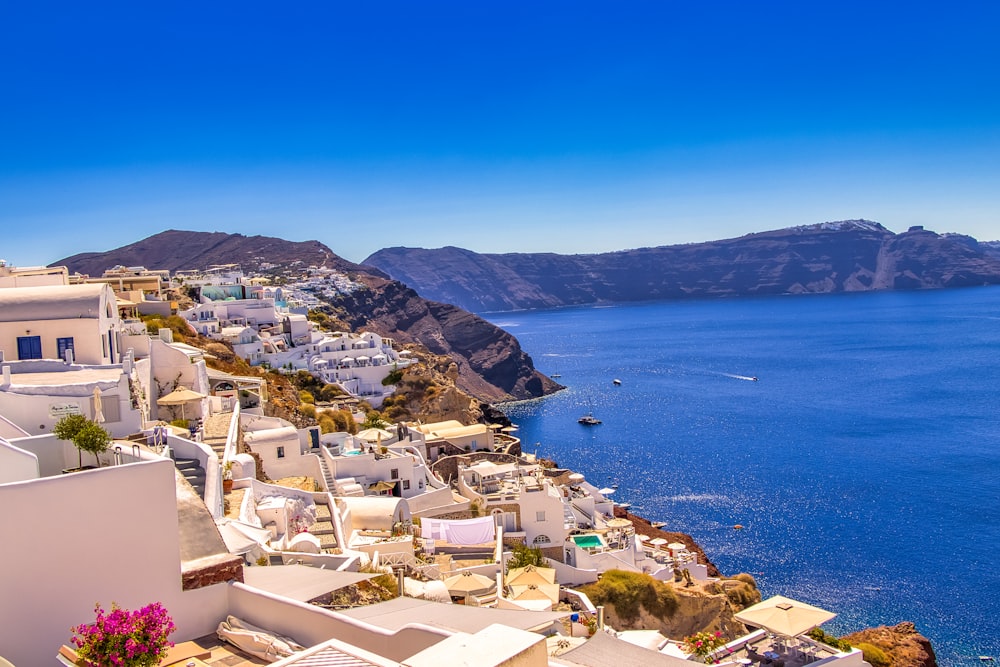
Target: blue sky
<point>494,126</point>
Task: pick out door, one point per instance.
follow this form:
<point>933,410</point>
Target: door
<point>29,347</point>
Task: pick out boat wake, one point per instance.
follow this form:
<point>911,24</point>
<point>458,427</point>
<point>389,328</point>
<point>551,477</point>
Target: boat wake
<point>748,378</point>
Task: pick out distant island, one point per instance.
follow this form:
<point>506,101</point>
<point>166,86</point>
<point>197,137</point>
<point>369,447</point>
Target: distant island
<point>844,256</point>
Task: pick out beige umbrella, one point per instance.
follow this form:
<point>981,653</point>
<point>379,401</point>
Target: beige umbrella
<point>180,396</point>
<point>524,576</point>
<point>468,583</point>
<point>98,406</point>
<point>548,592</point>
<point>657,541</point>
<point>676,546</point>
<point>374,434</point>
<point>618,523</point>
<point>381,485</point>
<point>784,616</point>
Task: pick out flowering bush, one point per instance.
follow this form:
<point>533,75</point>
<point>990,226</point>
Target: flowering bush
<point>703,644</point>
<point>124,638</point>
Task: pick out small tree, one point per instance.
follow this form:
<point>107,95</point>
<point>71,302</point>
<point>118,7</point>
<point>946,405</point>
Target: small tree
<point>86,436</point>
<point>524,556</point>
<point>67,428</point>
<point>374,420</point>
<point>92,438</point>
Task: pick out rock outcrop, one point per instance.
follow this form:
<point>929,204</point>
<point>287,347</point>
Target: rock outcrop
<point>491,365</point>
<point>847,256</point>
<point>902,644</point>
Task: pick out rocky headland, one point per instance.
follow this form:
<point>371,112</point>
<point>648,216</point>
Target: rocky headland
<point>846,256</point>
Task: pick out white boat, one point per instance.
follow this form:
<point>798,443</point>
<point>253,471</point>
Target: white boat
<point>588,420</point>
<point>617,382</point>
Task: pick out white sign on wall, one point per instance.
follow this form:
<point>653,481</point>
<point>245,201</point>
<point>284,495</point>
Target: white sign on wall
<point>58,410</point>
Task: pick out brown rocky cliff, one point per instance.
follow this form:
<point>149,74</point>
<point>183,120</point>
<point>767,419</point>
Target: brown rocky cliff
<point>902,644</point>
<point>491,364</point>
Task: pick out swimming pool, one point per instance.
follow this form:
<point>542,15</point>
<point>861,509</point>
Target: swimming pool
<point>589,541</point>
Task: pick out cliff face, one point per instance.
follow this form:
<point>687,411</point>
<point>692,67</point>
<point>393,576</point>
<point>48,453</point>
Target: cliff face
<point>847,256</point>
<point>491,364</point>
<point>902,644</point>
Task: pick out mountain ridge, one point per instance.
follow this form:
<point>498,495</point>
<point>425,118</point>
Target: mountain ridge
<point>491,364</point>
<point>847,255</point>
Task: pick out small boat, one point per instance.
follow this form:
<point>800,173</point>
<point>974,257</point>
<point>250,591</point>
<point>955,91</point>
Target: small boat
<point>588,420</point>
<point>624,506</point>
<point>657,524</point>
<point>616,382</point>
<point>556,375</point>
<point>754,378</point>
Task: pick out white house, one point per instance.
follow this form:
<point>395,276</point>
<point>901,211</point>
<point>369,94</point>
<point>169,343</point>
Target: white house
<point>68,322</point>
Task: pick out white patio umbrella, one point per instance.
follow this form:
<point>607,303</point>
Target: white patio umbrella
<point>606,491</point>
<point>374,434</point>
<point>180,396</point>
<point>784,616</point>
<point>657,541</point>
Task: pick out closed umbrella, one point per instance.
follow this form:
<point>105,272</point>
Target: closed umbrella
<point>98,406</point>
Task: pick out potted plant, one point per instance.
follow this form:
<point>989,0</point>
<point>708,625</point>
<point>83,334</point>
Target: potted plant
<point>227,477</point>
<point>703,644</point>
<point>86,436</point>
<point>123,638</point>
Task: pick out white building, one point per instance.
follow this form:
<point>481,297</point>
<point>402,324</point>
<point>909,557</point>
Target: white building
<point>75,322</point>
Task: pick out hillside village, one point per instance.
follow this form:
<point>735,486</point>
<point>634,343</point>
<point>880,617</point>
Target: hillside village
<point>271,477</point>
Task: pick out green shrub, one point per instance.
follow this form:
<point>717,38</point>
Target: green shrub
<point>328,392</point>
<point>742,590</point>
<point>630,591</point>
<point>523,556</point>
<point>874,656</point>
<point>306,397</point>
<point>393,378</point>
<point>308,410</point>
<point>819,635</point>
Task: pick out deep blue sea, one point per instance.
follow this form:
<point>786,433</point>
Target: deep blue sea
<point>864,463</point>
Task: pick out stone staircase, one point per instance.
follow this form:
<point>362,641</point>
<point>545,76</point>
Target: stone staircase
<point>323,528</point>
<point>330,482</point>
<point>192,471</point>
<point>215,431</point>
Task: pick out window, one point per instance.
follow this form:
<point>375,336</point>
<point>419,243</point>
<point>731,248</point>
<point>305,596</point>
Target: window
<point>109,408</point>
<point>539,516</point>
<point>394,473</point>
<point>541,539</point>
<point>104,345</point>
<point>406,485</point>
<point>29,347</point>
<point>63,344</point>
<point>281,452</point>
